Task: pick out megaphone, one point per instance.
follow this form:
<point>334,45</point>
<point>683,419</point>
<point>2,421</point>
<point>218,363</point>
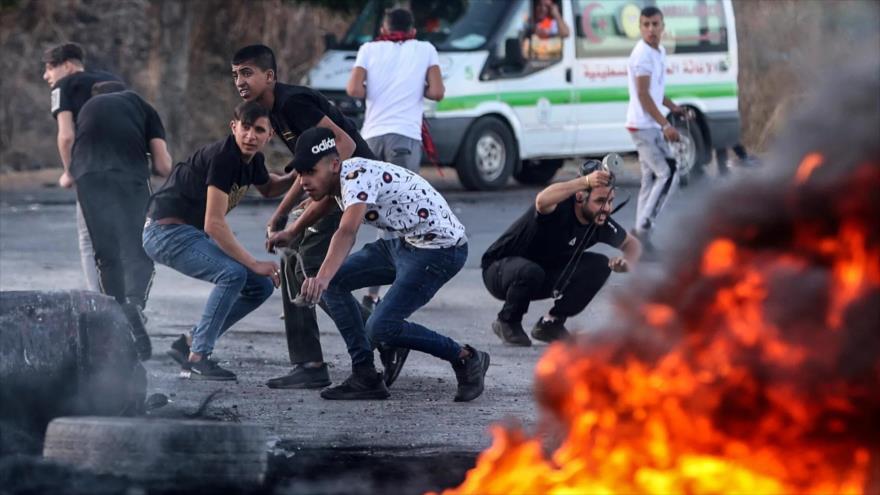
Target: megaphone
<point>611,163</point>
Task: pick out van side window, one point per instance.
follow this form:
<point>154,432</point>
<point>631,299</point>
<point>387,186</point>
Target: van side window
<point>544,31</point>
<point>610,28</point>
<point>526,46</point>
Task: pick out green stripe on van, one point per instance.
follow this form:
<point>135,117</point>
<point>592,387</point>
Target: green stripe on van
<point>594,95</point>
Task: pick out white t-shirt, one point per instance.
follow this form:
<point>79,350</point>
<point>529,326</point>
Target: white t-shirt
<point>395,86</point>
<point>645,61</point>
<point>400,202</point>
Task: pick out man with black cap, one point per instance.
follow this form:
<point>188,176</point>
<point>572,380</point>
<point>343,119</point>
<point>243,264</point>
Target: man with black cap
<point>71,87</point>
<point>544,254</point>
<point>429,248</point>
<point>293,110</point>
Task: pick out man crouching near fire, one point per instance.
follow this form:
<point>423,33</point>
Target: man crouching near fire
<point>544,254</point>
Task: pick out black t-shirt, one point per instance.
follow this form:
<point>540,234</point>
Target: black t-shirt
<point>73,91</point>
<point>550,240</point>
<point>298,109</point>
<point>113,132</point>
<point>185,194</point>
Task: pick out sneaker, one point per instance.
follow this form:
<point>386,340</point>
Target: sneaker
<point>392,361</point>
<point>470,373</point>
<point>550,331</point>
<point>359,386</point>
<point>206,369</point>
<point>369,303</point>
<point>135,316</point>
<point>302,377</point>
<point>511,333</point>
<point>179,350</point>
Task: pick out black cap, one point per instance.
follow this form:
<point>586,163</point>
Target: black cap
<point>311,146</point>
<point>62,53</point>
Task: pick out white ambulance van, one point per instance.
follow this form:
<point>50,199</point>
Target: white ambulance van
<point>519,104</point>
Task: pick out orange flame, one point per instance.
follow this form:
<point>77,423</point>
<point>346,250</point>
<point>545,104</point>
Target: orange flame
<point>808,165</point>
<point>716,383</point>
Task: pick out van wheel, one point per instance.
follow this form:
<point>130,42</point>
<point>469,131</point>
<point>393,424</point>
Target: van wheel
<point>487,156</point>
<point>537,172</point>
<point>690,151</point>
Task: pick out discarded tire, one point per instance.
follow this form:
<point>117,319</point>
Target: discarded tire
<point>161,450</point>
<point>66,353</point>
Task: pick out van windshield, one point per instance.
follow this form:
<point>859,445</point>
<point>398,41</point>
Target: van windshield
<point>451,25</point>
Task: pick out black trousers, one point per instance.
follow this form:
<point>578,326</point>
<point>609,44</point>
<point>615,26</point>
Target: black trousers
<point>301,323</point>
<point>518,281</point>
<point>114,205</point>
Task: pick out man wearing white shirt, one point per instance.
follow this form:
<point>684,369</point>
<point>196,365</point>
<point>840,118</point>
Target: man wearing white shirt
<point>648,126</point>
<point>394,73</point>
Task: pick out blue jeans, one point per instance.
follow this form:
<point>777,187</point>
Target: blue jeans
<point>238,290</point>
<point>415,276</point>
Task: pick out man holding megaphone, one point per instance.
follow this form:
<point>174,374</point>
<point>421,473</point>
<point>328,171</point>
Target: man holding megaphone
<point>544,254</point>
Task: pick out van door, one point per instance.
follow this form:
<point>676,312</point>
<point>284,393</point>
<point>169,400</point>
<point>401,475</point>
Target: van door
<point>537,90</point>
<point>605,33</point>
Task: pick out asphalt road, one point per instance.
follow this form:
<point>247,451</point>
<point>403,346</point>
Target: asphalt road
<point>38,251</point>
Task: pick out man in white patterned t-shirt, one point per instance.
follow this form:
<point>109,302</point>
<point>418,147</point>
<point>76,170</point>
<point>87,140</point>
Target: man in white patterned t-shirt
<point>429,248</point>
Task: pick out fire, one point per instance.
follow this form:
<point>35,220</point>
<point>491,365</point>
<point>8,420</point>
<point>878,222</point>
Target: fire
<point>757,371</point>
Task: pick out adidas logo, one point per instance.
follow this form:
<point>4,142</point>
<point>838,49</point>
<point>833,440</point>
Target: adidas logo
<point>572,241</point>
<point>324,145</point>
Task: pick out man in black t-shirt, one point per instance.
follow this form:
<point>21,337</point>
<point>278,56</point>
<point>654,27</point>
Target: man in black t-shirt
<point>528,262</point>
<point>115,131</point>
<point>187,231</point>
<point>295,109</point>
<point>71,87</point>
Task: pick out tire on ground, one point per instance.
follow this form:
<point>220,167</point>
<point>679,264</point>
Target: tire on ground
<point>487,156</point>
<point>160,450</point>
<point>537,172</point>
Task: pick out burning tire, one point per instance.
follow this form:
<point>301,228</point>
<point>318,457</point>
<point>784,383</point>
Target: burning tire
<point>160,450</point>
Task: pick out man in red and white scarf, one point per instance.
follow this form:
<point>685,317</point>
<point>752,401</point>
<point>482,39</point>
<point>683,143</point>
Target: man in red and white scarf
<point>394,74</point>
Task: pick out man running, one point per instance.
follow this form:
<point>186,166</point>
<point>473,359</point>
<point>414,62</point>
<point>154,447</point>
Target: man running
<point>648,127</point>
<point>429,249</point>
<point>71,85</point>
<point>115,130</point>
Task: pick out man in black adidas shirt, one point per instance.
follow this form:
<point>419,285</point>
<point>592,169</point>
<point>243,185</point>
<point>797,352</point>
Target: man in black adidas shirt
<point>71,87</point>
<point>187,231</point>
<point>528,262</point>
<point>115,130</point>
<point>295,109</point>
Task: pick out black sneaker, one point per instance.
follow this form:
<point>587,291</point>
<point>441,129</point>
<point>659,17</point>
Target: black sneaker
<point>359,386</point>
<point>511,333</point>
<point>206,369</point>
<point>392,361</point>
<point>470,373</point>
<point>550,331</point>
<point>179,350</point>
<point>302,377</point>
<point>135,317</point>
<point>369,303</point>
